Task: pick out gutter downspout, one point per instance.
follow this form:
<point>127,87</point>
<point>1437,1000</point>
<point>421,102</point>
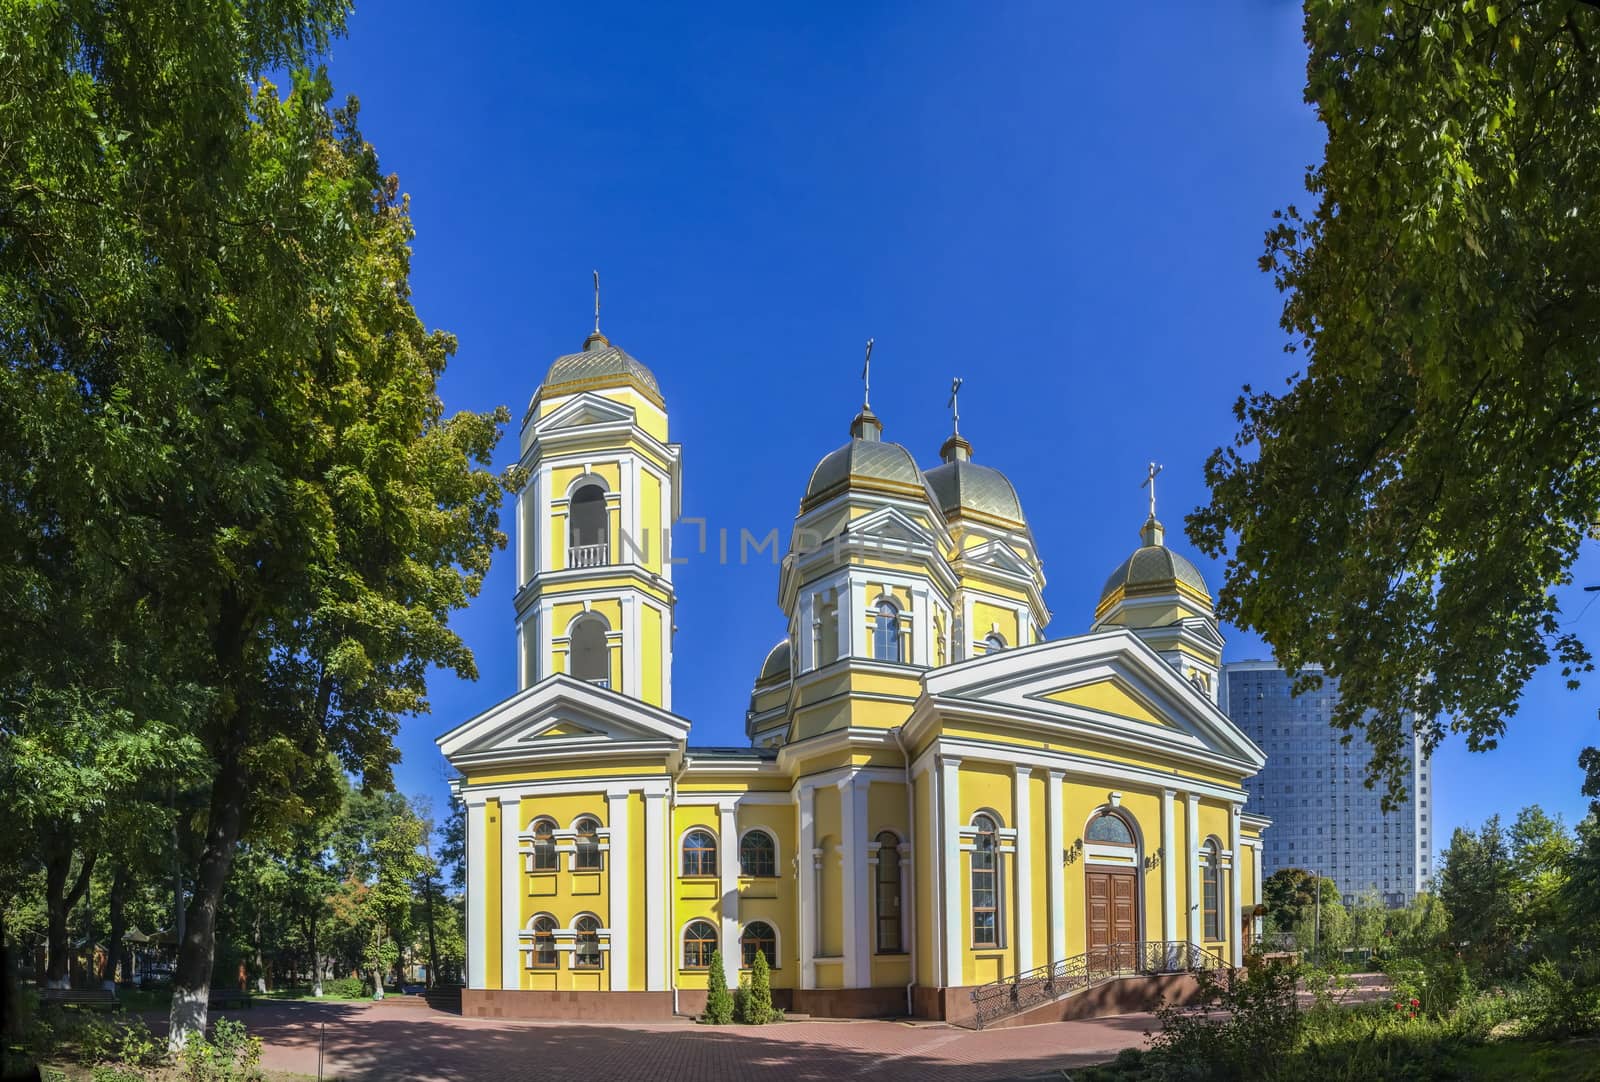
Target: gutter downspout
<point>911,908</point>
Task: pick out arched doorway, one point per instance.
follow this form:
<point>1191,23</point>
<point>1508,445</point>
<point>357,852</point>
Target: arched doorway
<point>1111,890</point>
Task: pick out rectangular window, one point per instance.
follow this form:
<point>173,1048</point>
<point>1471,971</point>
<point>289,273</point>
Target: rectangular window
<point>1213,887</point>
<point>985,910</point>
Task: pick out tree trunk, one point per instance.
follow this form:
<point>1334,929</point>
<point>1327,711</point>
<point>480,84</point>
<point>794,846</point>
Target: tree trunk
<point>191,979</point>
<point>119,890</point>
<point>59,901</point>
<point>316,959</point>
<point>261,964</point>
<point>433,946</point>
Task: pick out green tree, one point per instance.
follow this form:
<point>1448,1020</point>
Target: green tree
<point>1402,511</point>
<point>758,1004</point>
<point>1475,887</point>
<point>1541,862</point>
<point>1291,894</point>
<point>719,1001</point>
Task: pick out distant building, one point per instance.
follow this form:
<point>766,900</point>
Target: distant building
<point>1324,818</point>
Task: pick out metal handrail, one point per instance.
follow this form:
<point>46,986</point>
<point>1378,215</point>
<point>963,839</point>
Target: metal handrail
<point>1014,994</point>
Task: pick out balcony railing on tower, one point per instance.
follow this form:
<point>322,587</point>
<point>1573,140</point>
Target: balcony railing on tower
<point>597,555</point>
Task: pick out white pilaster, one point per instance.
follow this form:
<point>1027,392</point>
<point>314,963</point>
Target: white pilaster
<point>510,894</point>
<point>1256,853</point>
<point>657,940</point>
<point>1024,861</point>
<point>806,904</point>
<point>859,646</point>
<point>1169,873</point>
<point>1053,868</point>
<point>846,618</point>
<point>1235,890</point>
<point>620,867</point>
<point>950,847</point>
<point>1191,825</point>
<point>857,884</point>
<point>631,619</point>
<point>545,635</point>
<point>806,636</point>
<point>477,900</point>
<point>1024,620</point>
<point>922,628</point>
<point>728,873</point>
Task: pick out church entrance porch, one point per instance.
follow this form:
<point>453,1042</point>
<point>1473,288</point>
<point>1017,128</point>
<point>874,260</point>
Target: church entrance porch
<point>1112,913</point>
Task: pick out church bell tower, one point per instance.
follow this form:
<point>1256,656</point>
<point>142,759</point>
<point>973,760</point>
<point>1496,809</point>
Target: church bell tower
<point>594,576</point>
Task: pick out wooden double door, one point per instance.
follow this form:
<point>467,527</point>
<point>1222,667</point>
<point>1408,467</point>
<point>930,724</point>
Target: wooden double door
<point>1113,915</point>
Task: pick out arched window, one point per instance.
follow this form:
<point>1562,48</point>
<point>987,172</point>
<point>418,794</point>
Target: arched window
<point>888,894</point>
<point>758,855</point>
<point>587,954</point>
<point>588,655</point>
<point>993,643</point>
<point>886,632</point>
<point>1108,828</point>
<point>587,857</point>
<point>544,942</point>
<point>587,534</point>
<point>699,940</point>
<point>1211,892</point>
<point>758,936</point>
<point>985,883</point>
<point>544,845</point>
<point>699,853</point>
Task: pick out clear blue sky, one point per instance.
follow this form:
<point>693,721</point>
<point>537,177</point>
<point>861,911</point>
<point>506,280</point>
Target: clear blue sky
<point>1062,204</point>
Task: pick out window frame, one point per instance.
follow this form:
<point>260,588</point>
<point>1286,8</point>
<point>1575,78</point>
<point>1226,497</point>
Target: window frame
<point>583,852</point>
<point>705,954</point>
<point>544,942</point>
<point>700,850</point>
<point>771,854</point>
<point>992,878</point>
<point>746,956</point>
<point>583,936</point>
<point>1211,893</point>
<point>543,846</point>
<point>887,876</point>
<point>886,628</point>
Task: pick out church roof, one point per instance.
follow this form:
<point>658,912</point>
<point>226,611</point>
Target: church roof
<point>599,363</point>
<point>865,461</point>
<point>966,486</point>
<point>1152,565</point>
<point>776,664</point>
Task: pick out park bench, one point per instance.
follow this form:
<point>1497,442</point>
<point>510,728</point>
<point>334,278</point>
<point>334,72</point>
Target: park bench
<point>93,999</point>
<point>230,997</point>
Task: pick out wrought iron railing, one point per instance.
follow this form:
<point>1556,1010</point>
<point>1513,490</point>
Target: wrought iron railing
<point>1011,995</point>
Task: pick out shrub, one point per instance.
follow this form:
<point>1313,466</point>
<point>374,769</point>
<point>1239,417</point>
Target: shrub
<point>741,1003</point>
<point>347,988</point>
<point>1241,1024</point>
<point>228,1055</point>
<point>760,1009</point>
<point>117,1073</point>
<point>1559,1004</point>
<point>719,1004</point>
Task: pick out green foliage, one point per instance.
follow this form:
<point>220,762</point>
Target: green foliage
<point>1240,1020</point>
<point>719,1003</point>
<point>758,1010</point>
<point>345,988</point>
<point>1562,1000</point>
<point>1403,510</point>
<point>229,1054</point>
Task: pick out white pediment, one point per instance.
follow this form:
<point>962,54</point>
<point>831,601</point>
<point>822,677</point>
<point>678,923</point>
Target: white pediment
<point>1110,684</point>
<point>998,556</point>
<point>890,524</point>
<point>563,717</point>
<point>584,409</point>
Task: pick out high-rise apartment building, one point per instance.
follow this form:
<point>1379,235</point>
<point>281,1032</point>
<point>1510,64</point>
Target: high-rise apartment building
<point>1324,818</point>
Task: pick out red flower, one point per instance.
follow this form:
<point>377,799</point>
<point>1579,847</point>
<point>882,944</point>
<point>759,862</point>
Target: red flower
<point>1416,1003</point>
<point>1399,1006</point>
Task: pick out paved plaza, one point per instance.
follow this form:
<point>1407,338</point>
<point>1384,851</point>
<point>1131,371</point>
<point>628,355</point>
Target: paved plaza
<point>405,1040</point>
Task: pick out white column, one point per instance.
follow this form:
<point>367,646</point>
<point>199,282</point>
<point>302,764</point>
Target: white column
<point>922,628</point>
<point>1024,823</point>
<point>544,559</point>
<point>950,843</point>
<point>806,909</point>
<point>620,869</point>
<point>1023,620</point>
<point>634,672</point>
<point>1191,825</point>
<point>1169,873</point>
<point>657,934</point>
<point>1236,890</point>
<point>806,637</point>
<point>510,894</point>
<point>1256,853</point>
<point>1053,868</point>
<point>728,873</point>
<point>857,883</point>
<point>477,897</point>
<point>544,634</point>
<point>857,592</point>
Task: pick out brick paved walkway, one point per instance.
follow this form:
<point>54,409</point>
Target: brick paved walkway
<point>405,1040</point>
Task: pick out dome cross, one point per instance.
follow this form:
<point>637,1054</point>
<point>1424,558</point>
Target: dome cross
<point>955,405</point>
<point>1150,483</point>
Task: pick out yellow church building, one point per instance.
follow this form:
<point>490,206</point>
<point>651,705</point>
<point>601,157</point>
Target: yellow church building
<point>936,800</point>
